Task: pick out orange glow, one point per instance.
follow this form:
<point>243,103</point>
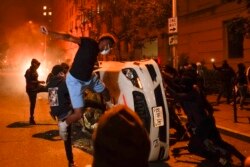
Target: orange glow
<point>43,70</point>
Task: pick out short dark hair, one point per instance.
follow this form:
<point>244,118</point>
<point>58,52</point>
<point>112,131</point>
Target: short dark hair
<point>65,67</point>
<point>57,69</point>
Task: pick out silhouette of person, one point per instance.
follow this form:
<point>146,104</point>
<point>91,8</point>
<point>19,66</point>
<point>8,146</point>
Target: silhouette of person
<point>33,86</point>
<point>80,75</point>
<point>227,75</point>
<point>60,105</point>
<point>241,82</point>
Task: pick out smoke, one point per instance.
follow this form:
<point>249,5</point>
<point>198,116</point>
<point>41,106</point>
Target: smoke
<point>16,12</point>
<point>21,41</point>
<point>25,42</point>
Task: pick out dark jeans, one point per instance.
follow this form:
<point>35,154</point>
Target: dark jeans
<point>243,93</point>
<point>68,147</point>
<point>32,98</point>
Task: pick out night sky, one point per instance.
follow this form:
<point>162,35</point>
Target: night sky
<point>15,13</point>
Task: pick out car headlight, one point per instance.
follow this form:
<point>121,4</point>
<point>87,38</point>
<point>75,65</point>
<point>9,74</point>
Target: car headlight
<point>131,74</point>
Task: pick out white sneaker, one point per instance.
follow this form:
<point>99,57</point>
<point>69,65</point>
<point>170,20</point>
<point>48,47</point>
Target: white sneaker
<point>94,126</point>
<point>109,104</point>
<point>62,125</point>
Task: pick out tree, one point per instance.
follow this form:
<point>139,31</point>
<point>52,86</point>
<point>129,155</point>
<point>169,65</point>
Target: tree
<point>139,19</point>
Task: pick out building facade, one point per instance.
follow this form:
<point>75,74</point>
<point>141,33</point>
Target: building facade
<point>204,30</point>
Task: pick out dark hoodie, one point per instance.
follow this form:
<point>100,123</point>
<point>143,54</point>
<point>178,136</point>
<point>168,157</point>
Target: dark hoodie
<point>58,96</point>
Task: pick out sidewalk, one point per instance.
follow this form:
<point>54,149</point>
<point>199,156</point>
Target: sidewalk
<point>225,120</point>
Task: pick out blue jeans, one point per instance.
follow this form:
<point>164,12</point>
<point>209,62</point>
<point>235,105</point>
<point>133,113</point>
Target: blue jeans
<point>77,87</point>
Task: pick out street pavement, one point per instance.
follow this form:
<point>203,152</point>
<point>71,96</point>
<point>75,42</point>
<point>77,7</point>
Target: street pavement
<point>39,145</point>
<point>24,145</point>
<point>235,125</point>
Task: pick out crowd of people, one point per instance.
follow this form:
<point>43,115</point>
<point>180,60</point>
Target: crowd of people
<point>233,83</point>
<point>65,85</point>
<point>188,90</point>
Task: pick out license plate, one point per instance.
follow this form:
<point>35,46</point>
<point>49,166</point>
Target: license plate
<point>158,119</point>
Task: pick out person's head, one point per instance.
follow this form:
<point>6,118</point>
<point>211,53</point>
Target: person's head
<point>225,64</point>
<point>187,83</point>
<point>170,70</point>
<point>241,67</point>
<point>106,42</point>
<point>198,64</point>
<point>58,70</point>
<point>35,63</point>
<point>120,139</point>
<point>65,67</point>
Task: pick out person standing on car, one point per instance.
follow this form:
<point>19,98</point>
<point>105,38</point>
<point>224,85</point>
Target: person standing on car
<point>81,75</point>
<point>60,105</point>
<point>227,75</point>
<point>33,86</point>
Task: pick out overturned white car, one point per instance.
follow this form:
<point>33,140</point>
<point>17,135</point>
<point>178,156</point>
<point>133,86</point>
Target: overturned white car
<point>138,84</point>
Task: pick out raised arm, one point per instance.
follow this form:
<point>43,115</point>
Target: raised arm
<point>62,36</point>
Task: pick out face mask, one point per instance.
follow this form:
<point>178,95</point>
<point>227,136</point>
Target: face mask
<point>105,51</point>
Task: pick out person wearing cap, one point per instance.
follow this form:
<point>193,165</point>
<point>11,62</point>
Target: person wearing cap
<point>60,104</point>
<point>33,86</point>
<point>120,139</point>
<point>80,75</point>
